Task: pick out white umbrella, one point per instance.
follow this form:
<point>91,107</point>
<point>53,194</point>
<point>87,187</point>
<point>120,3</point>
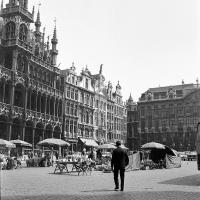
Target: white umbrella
<point>7,144</point>
<point>153,145</point>
<point>21,143</point>
<point>123,147</point>
<point>107,146</point>
<point>53,142</point>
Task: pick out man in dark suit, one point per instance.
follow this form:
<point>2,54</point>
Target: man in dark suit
<point>118,163</point>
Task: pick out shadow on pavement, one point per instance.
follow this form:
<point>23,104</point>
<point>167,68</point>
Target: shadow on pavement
<point>193,180</point>
<point>162,195</point>
<point>102,190</point>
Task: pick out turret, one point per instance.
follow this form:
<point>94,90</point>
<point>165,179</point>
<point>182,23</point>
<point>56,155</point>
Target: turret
<point>131,105</point>
<point>37,27</point>
<point>54,51</point>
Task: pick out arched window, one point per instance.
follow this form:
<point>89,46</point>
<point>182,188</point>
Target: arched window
<point>31,71</point>
<point>37,50</point>
<point>23,32</point>
<point>8,60</point>
<point>10,30</point>
<point>22,64</point>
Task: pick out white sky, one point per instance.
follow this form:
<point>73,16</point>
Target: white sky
<point>141,43</point>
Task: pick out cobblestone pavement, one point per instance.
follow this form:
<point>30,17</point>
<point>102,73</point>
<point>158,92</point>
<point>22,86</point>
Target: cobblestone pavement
<point>160,184</point>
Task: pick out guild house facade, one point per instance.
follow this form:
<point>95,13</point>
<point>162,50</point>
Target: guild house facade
<point>168,115</point>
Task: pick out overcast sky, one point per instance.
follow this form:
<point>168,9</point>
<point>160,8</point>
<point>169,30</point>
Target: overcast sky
<point>141,43</point>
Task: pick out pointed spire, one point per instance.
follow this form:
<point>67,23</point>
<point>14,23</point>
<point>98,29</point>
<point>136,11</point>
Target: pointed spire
<point>33,11</point>
<point>100,70</point>
<point>2,5</point>
<point>73,66</point>
<point>38,23</point>
<point>54,39</point>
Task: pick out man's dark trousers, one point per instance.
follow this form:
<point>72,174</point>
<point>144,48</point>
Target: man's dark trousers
<point>116,173</point>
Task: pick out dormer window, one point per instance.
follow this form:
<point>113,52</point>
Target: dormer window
<point>73,79</point>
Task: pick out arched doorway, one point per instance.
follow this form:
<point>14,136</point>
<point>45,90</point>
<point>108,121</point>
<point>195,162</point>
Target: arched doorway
<point>16,129</point>
<point>19,95</point>
<point>4,127</point>
<point>39,131</point>
<point>28,137</point>
<point>48,131</point>
<point>57,132</point>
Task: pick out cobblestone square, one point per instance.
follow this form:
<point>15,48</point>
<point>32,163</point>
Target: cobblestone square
<point>41,183</point>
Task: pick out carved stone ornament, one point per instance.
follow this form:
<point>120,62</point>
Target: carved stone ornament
<point>149,96</point>
<point>4,75</point>
<point>17,115</point>
<point>20,80</point>
<point>171,93</point>
<point>29,117</point>
<point>4,111</point>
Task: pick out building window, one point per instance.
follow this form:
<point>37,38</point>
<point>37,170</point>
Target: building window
<point>73,80</point>
<point>76,95</point>
<point>91,119</point>
<point>87,117</point>
<point>97,104</point>
<point>23,32</point>
<point>72,93</point>
<point>10,30</point>
<point>91,101</point>
<point>86,83</point>
<point>163,95</point>
<point>67,108</point>
<point>96,119</point>
<point>71,126</point>
<point>87,100</point>
<point>179,93</point>
<point>68,92</point>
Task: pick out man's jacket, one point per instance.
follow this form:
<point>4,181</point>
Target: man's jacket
<point>119,158</point>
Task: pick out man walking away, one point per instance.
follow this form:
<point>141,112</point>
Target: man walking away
<point>118,163</point>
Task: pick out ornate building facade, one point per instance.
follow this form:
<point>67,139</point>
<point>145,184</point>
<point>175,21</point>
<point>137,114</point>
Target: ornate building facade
<point>99,115</point>
<point>169,115</point>
<point>38,100</point>
<point>31,94</point>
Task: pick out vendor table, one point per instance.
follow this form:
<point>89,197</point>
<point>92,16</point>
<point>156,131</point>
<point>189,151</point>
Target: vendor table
<point>84,167</point>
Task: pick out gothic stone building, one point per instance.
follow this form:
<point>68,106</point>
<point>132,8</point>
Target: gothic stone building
<point>30,88</point>
<point>169,115</point>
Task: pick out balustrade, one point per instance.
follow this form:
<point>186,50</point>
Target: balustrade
<point>15,9</point>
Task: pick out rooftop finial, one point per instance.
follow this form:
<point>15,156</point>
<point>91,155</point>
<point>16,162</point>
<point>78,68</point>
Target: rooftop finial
<point>100,71</point>
<point>48,42</point>
<point>182,82</point>
<point>197,81</point>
